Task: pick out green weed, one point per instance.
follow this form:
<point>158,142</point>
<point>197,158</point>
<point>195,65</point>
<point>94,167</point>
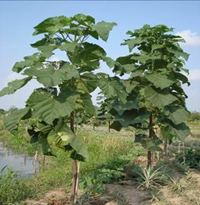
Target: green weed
<point>12,189</point>
<point>151,179</point>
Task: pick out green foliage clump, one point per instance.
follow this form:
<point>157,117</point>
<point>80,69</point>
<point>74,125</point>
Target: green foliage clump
<point>151,178</point>
<point>12,189</point>
<point>194,116</point>
<point>190,157</point>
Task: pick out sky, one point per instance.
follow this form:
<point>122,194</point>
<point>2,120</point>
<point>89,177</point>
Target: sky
<point>17,19</point>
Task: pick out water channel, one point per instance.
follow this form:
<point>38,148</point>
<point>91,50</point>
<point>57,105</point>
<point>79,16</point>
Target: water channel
<point>21,163</point>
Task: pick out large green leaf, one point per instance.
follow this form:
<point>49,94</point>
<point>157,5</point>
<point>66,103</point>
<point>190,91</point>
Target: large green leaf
<point>87,83</point>
<point>39,134</point>
<point>143,58</point>
<point>49,107</point>
<point>122,107</point>
<point>14,86</point>
<point>132,117</point>
<point>103,29</point>
<point>124,64</point>
<point>151,144</point>
<point>46,46</point>
<point>181,131</point>
<point>157,46</point>
<point>159,80</point>
<point>49,76</point>
<point>130,85</point>
<point>179,53</point>
<point>181,77</point>
<point>134,42</point>
<point>85,104</point>
<point>83,19</point>
<point>12,120</point>
<point>63,137</point>
<point>109,61</point>
<point>52,25</point>
<point>89,55</point>
<point>68,46</point>
<point>159,99</point>
<point>112,87</point>
<point>176,114</point>
<point>34,60</point>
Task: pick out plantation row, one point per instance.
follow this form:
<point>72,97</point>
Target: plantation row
<point>150,101</point>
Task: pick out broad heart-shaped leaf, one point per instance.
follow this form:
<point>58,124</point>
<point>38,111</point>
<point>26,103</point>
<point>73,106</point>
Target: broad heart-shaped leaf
<point>84,103</point>
<point>179,53</point>
<point>14,86</point>
<point>82,19</point>
<point>130,85</point>
<point>132,43</point>
<point>159,80</point>
<point>12,120</point>
<point>52,25</point>
<point>181,131</point>
<point>122,107</point>
<point>157,46</point>
<point>116,126</point>
<point>112,87</point>
<point>148,143</point>
<point>87,83</point>
<point>143,58</point>
<point>177,114</point>
<point>181,77</point>
<point>89,55</point>
<point>34,60</point>
<point>63,137</point>
<point>46,46</point>
<point>131,117</point>
<point>49,107</point>
<point>68,46</point>
<point>49,76</point>
<point>124,64</point>
<point>109,61</point>
<point>159,99</point>
<point>39,134</point>
<point>103,29</point>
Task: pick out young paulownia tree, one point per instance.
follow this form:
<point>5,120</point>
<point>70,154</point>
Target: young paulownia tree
<point>156,97</point>
<point>67,84</point>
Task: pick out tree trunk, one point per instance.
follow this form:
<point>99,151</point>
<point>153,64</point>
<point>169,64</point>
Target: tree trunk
<point>149,159</point>
<point>166,147</point>
<point>151,133</point>
<point>43,161</point>
<point>75,168</point>
<point>108,126</point>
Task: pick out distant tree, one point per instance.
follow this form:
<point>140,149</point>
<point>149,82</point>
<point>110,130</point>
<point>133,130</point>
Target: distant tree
<point>2,111</point>
<point>12,108</point>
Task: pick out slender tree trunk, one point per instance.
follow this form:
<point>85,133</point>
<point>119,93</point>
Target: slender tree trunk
<point>151,133</point>
<point>109,126</point>
<point>25,159</point>
<point>166,147</point>
<point>184,152</point>
<point>35,159</point>
<point>149,161</point>
<point>43,161</point>
<point>75,168</point>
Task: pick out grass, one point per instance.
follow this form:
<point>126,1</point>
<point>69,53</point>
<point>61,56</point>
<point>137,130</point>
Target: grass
<point>106,151</point>
<point>20,143</point>
<point>197,123</point>
<point>109,155</point>
<point>12,188</point>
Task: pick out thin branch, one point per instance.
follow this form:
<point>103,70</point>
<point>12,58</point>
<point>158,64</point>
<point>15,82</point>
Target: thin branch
<point>69,38</point>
